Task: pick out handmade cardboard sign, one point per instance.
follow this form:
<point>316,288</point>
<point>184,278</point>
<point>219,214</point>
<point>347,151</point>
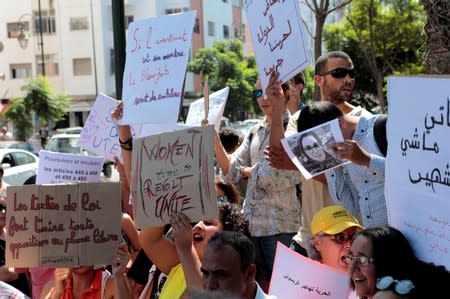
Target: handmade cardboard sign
<point>62,225</point>
<point>57,168</point>
<point>278,38</point>
<point>417,181</point>
<point>174,173</point>
<point>157,56</point>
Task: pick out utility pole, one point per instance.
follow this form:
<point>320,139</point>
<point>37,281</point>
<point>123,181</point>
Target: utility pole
<point>118,16</point>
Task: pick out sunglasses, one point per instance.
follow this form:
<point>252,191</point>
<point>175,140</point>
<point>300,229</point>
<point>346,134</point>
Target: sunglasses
<point>359,260</point>
<point>402,287</point>
<point>340,73</point>
<point>222,198</point>
<point>312,147</point>
<point>257,93</point>
<point>340,238</point>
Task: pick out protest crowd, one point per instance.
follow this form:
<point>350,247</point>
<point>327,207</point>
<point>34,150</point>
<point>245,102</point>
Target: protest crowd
<point>335,222</point>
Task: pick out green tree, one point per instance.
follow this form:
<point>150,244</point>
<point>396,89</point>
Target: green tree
<point>226,65</point>
<point>383,38</point>
<point>437,45</point>
<point>39,100</point>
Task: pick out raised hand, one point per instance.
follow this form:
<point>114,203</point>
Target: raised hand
<point>352,151</point>
<point>181,230</point>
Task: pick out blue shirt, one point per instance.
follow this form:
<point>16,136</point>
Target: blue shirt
<point>358,188</point>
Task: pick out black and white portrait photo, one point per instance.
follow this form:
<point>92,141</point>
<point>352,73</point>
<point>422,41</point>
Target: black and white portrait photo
<point>311,150</point>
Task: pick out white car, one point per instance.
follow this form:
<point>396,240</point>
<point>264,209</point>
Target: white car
<point>18,166</point>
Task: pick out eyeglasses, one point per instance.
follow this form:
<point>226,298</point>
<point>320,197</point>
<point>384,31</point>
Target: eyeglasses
<point>222,198</point>
<point>360,260</point>
<point>402,287</point>
<point>257,93</point>
<point>340,238</point>
<point>340,73</point>
<point>312,146</point>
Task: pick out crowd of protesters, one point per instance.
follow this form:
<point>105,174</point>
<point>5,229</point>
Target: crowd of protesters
<point>233,256</point>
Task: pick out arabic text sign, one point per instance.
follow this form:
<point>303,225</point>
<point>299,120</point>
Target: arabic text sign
<point>417,165</point>
<point>172,173</point>
<point>217,101</point>
<point>311,149</point>
<point>62,225</point>
<point>297,277</point>
<point>100,135</point>
<point>57,168</point>
<point>278,39</point>
<point>157,55</point>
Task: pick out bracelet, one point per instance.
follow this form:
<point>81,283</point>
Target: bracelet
<point>126,145</point>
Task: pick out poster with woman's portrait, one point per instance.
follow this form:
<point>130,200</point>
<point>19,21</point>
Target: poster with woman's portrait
<point>311,150</point>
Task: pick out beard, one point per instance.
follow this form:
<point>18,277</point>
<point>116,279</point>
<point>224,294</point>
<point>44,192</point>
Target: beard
<point>336,95</point>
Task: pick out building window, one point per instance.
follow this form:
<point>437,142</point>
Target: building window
<point>50,64</point>
<point>79,23</point>
<point>128,21</point>
<point>82,66</point>
<point>211,29</point>
<point>197,26</point>
<point>20,70</point>
<point>48,21</point>
<point>170,11</point>
<point>226,31</point>
<point>14,28</point>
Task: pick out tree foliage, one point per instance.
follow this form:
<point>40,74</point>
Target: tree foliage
<point>39,100</point>
<point>383,38</point>
<point>321,9</point>
<point>226,65</point>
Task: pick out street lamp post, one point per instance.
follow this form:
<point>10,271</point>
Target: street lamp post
<point>23,36</point>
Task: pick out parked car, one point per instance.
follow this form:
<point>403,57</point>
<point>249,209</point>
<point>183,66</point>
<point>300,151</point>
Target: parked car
<point>19,145</point>
<point>72,130</point>
<point>18,166</point>
<point>67,143</point>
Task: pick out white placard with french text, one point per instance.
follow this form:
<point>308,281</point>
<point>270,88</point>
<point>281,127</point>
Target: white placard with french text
<point>217,101</point>
<point>157,56</point>
<point>100,135</point>
<point>55,168</point>
<point>278,38</point>
<point>417,165</point>
<point>297,277</point>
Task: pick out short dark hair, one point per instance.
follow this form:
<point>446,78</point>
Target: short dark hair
<point>316,114</point>
<point>229,138</point>
<point>323,59</point>
<point>2,171</point>
<point>232,219</point>
<point>243,246</point>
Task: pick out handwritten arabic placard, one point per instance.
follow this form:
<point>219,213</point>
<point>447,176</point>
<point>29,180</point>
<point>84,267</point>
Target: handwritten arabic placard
<point>217,101</point>
<point>157,55</point>
<point>173,172</point>
<point>100,135</point>
<point>62,225</point>
<point>417,164</point>
<point>311,150</point>
<point>278,38</point>
<point>57,168</point>
<point>298,277</point>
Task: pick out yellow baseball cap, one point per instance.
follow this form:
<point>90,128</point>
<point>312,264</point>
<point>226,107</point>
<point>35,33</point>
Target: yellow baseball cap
<point>333,220</point>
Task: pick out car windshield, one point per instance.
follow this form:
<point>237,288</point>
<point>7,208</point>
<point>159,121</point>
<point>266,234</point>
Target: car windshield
<point>63,145</point>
